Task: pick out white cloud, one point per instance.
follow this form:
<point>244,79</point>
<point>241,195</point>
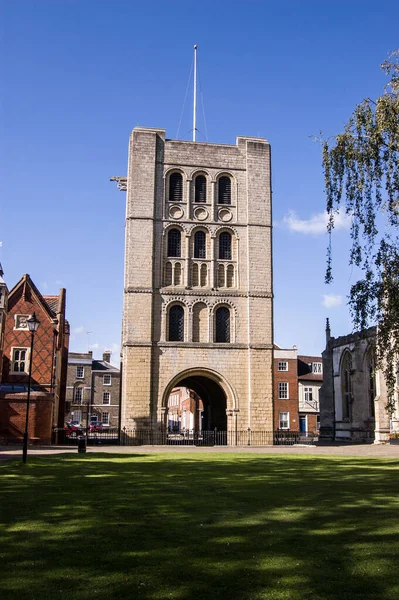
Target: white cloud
<point>78,330</point>
<point>332,301</point>
<point>94,346</point>
<point>316,224</point>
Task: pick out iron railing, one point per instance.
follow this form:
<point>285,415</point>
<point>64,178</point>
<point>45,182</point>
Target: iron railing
<point>107,437</point>
<point>214,437</point>
<point>166,437</point>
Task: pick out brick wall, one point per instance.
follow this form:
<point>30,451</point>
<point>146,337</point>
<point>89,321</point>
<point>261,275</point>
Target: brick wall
<point>289,405</point>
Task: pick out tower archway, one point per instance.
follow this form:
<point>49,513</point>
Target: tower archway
<point>215,397</point>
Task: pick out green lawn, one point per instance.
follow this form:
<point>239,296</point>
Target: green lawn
<point>239,527</point>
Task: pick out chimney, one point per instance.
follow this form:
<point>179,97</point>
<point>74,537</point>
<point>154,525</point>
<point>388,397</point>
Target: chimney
<point>107,356</point>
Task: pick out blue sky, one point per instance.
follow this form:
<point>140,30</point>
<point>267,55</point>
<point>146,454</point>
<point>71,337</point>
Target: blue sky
<point>78,75</point>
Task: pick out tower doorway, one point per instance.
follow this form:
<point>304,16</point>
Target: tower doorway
<point>196,402</point>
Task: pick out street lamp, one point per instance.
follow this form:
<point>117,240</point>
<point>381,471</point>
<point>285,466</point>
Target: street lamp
<point>33,324</point>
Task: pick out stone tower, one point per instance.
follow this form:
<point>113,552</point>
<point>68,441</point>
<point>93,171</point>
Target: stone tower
<point>198,299</point>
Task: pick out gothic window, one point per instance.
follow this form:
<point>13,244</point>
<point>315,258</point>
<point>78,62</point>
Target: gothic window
<point>168,273</point>
<point>195,280</point>
<point>174,242</point>
<point>176,187</point>
<point>200,189</point>
<point>204,273</point>
<point>200,322</point>
<point>224,190</point>
<point>346,384</point>
<point>176,324</point>
<point>177,274</point>
<point>221,276</point>
<point>225,246</point>
<point>230,276</point>
<point>222,325</point>
<point>370,365</point>
<point>199,244</point>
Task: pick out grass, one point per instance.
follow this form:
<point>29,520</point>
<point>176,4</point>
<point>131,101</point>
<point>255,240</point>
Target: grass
<point>239,527</point>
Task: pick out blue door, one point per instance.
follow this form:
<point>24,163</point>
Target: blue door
<point>302,424</point>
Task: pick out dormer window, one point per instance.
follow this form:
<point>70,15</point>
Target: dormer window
<point>317,367</point>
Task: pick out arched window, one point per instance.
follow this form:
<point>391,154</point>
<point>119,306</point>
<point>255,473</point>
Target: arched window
<point>175,187</point>
<point>222,329</point>
<point>346,384</point>
<point>174,243</point>
<point>200,189</point>
<point>224,190</point>
<point>370,366</point>
<point>225,246</point>
<point>200,322</point>
<point>168,274</point>
<point>176,324</point>
<point>199,245</point>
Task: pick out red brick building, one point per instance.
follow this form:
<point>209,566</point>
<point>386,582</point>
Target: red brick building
<point>285,392</point>
<point>49,366</point>
<point>297,380</point>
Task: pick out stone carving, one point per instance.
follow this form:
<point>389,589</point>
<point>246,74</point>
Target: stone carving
<point>201,213</point>
<point>176,212</point>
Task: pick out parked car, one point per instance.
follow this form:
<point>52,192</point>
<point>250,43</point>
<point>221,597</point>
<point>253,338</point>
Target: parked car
<point>73,429</point>
<point>96,428</point>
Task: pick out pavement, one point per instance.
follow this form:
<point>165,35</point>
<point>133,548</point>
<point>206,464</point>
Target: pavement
<point>361,450</point>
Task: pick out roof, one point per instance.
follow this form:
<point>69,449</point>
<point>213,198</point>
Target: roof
<point>310,359</point>
<point>101,365</point>
<point>305,371</point>
<point>52,303</point>
<point>311,377</point>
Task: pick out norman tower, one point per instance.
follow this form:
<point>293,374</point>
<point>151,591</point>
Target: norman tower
<point>198,280</point>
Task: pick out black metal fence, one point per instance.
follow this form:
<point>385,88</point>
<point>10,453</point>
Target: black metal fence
<point>214,437</point>
<point>164,437</point>
<point>107,437</point>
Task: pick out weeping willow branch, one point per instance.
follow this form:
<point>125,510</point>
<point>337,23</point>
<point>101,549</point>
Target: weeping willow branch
<point>361,170</point>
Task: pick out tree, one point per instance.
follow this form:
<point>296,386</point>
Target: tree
<point>361,169</point>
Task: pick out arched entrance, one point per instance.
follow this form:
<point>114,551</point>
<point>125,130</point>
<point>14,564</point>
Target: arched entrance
<point>212,397</point>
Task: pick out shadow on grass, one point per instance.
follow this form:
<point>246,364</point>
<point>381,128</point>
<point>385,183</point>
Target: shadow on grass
<point>240,527</point>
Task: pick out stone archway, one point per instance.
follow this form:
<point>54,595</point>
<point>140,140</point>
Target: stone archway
<point>216,395</point>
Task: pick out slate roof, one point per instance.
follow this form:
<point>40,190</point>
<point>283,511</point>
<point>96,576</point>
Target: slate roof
<point>101,365</point>
<point>52,303</point>
<point>311,377</point>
